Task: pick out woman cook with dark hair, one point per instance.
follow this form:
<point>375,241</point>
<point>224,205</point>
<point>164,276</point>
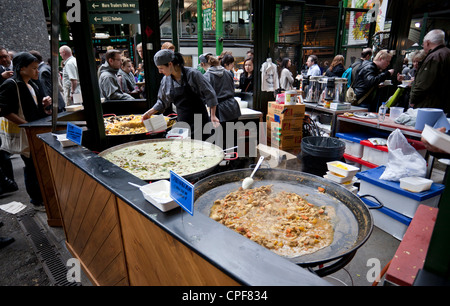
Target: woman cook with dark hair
<point>246,80</point>
<point>22,91</point>
<point>187,89</point>
<point>228,109</point>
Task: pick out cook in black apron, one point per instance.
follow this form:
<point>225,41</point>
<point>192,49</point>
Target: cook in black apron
<point>190,102</point>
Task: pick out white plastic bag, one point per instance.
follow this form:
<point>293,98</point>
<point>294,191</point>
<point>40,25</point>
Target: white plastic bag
<point>403,159</point>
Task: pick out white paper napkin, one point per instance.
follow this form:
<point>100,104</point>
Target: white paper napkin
<point>13,207</point>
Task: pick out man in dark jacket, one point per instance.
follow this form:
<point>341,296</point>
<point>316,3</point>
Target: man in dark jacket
<point>429,88</point>
<point>5,65</point>
<point>109,86</point>
<point>370,76</point>
<point>366,54</point>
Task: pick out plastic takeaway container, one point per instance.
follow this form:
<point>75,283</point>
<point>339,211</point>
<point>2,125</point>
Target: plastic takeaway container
<point>395,112</point>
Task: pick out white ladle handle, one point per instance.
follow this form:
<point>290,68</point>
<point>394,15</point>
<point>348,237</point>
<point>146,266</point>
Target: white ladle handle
<point>257,166</point>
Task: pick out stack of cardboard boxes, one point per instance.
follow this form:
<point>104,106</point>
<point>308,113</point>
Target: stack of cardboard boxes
<point>285,125</point>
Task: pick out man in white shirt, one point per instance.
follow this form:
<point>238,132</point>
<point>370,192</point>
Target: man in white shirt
<point>313,68</point>
<point>71,80</point>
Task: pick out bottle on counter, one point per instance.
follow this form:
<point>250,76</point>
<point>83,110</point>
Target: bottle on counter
<point>382,112</point>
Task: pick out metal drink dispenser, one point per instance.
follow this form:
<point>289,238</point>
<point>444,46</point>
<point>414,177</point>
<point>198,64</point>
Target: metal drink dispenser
<point>327,89</point>
<point>313,93</point>
<point>305,83</point>
<point>340,85</point>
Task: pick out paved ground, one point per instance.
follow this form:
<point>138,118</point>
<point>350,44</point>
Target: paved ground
<point>21,265</point>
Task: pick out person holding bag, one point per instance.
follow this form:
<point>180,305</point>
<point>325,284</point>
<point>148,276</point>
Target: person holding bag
<point>370,75</point>
<point>22,101</point>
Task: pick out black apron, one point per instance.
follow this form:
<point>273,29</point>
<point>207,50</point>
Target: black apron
<point>189,103</point>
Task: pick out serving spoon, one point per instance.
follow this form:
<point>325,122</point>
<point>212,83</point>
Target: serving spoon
<point>248,181</point>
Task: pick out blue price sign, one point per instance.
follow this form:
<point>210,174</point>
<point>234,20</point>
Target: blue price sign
<point>74,133</point>
<point>182,192</point>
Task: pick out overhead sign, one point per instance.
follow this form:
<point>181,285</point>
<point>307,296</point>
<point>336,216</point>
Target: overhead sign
<point>182,192</point>
<point>114,18</point>
<point>103,6</point>
<point>207,19</point>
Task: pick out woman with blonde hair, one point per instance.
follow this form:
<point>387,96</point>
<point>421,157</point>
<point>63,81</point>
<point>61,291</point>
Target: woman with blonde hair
<point>336,68</point>
<point>168,45</point>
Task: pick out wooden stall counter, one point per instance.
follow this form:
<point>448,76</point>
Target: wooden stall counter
<point>33,129</point>
<point>121,239</point>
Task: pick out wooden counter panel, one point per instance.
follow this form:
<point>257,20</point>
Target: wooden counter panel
<point>156,258</point>
<point>91,223</point>
<point>43,174</point>
<point>76,209</point>
<point>78,189</point>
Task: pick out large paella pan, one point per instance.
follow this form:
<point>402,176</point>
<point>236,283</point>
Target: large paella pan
<point>152,159</point>
<point>352,220</point>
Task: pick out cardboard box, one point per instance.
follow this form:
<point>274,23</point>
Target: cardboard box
<point>276,132</point>
<point>286,111</point>
<point>286,141</point>
<point>285,124</point>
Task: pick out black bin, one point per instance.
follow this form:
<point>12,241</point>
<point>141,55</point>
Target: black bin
<point>317,151</point>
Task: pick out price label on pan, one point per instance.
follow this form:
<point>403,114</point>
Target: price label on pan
<point>74,133</point>
<point>182,192</point>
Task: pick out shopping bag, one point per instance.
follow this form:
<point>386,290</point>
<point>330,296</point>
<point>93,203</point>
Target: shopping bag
<point>351,96</point>
<point>403,159</point>
<point>14,139</point>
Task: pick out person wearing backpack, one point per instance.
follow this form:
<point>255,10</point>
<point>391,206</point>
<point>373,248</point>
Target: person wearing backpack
<point>366,54</point>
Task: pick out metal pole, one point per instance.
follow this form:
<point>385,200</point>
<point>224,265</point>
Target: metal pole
<point>55,8</point>
<point>94,138</point>
<point>219,27</point>
<point>341,21</point>
<point>200,27</point>
<point>174,16</point>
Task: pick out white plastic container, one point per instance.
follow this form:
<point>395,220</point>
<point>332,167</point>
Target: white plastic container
<point>338,178</point>
<point>341,168</point>
<point>243,104</point>
<point>353,148</point>
<point>179,133</point>
<point>352,143</point>
<point>375,156</point>
<point>436,138</point>
<point>388,220</point>
<point>395,198</point>
<point>415,184</point>
<point>158,193</point>
<point>395,112</point>
<point>155,123</point>
<point>290,97</point>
